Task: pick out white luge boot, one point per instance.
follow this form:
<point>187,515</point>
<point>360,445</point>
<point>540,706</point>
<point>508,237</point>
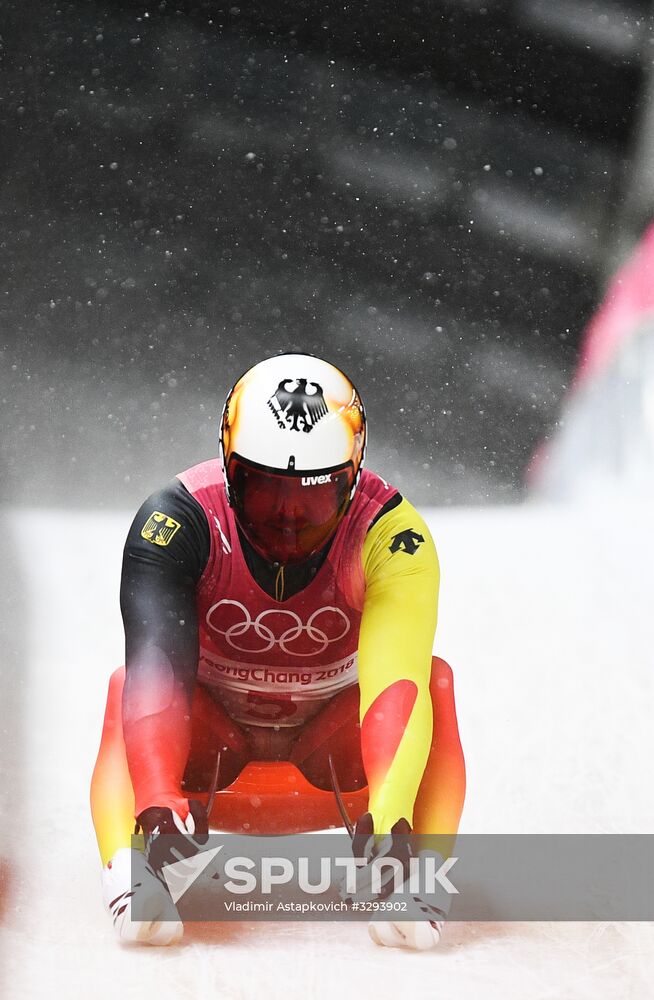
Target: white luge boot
<point>129,882</point>
<point>420,935</point>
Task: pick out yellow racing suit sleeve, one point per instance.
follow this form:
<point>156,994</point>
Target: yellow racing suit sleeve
<point>398,624</point>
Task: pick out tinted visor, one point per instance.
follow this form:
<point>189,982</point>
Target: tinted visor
<point>288,516</point>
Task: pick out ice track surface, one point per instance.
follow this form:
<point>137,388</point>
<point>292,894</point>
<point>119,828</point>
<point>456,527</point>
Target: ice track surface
<point>546,619</point>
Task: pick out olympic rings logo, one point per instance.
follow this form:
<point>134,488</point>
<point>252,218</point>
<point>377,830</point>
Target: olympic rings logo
<point>246,625</point>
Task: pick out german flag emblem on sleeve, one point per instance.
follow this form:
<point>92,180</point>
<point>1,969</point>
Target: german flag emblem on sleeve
<point>159,528</point>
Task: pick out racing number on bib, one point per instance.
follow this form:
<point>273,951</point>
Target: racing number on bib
<point>282,703</point>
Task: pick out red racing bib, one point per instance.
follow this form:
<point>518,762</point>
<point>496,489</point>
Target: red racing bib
<point>275,663</point>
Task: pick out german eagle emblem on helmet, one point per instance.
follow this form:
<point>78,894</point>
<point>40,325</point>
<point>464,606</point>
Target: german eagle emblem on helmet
<point>298,405</point>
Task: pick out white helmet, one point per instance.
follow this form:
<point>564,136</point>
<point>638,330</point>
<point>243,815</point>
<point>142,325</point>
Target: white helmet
<point>292,442</point>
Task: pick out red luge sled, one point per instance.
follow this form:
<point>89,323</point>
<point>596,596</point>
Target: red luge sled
<point>274,797</point>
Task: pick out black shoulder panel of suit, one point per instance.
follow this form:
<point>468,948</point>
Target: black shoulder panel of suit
<point>391,504</point>
<point>183,545</point>
<point>165,554</point>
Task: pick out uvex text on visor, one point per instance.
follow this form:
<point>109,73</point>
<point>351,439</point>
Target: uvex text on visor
<point>288,515</point>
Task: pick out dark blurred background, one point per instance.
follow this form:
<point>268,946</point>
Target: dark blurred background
<point>430,195</point>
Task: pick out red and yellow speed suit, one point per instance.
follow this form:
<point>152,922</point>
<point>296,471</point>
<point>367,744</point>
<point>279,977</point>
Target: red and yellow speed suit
<point>225,651</point>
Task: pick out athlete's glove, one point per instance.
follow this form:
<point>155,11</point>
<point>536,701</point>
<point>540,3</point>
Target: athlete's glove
<point>169,838</point>
<point>417,934</point>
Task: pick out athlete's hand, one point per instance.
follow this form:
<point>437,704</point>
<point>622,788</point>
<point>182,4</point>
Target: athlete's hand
<point>169,838</point>
<point>395,845</point>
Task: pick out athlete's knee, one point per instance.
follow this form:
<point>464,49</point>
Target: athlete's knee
<point>441,674</point>
<point>113,709</point>
<point>116,681</point>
